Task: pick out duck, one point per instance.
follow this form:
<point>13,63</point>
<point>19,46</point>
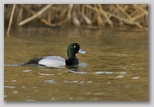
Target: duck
<point>58,61</point>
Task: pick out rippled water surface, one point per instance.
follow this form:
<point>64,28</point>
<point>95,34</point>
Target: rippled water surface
<point>114,69</point>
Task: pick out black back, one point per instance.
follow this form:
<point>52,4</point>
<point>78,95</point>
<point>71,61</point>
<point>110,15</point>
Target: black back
<point>34,60</point>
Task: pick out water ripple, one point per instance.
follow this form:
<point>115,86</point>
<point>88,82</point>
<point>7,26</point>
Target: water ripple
<point>135,78</point>
<point>49,81</point>
<point>9,86</point>
<point>76,72</point>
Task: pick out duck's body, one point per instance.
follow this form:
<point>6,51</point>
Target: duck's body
<point>57,61</point>
<point>48,61</point>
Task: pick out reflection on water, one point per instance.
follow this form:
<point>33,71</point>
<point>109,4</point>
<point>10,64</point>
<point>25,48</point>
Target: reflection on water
<point>115,68</point>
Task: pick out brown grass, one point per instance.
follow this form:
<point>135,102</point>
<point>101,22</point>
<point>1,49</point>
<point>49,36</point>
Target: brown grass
<point>100,15</point>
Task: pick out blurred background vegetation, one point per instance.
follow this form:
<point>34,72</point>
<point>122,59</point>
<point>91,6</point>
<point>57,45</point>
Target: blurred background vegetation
<point>79,15</point>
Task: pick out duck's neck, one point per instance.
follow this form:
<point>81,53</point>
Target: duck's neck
<point>70,54</point>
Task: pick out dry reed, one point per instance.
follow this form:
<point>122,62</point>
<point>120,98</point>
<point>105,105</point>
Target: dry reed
<point>100,15</point>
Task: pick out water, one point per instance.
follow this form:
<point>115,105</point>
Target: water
<point>114,69</point>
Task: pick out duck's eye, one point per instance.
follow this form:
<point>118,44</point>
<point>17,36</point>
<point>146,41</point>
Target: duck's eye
<point>74,46</point>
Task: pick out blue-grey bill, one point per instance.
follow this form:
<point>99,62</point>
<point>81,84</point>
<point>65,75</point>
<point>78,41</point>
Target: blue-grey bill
<point>82,51</point>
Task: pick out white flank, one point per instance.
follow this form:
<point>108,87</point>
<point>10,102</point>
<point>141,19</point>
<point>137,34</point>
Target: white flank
<point>53,61</point>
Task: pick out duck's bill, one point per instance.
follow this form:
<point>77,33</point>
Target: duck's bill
<point>82,51</point>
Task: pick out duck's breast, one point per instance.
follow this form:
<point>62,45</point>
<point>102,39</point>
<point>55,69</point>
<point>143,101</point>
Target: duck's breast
<point>53,61</point>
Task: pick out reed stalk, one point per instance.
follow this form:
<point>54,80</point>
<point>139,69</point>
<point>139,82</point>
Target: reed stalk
<point>98,15</point>
<point>35,15</point>
<point>10,22</point>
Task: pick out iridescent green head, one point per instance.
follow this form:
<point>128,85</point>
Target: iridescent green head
<point>74,48</point>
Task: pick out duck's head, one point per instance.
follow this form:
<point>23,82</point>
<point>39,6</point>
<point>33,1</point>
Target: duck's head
<point>74,48</point>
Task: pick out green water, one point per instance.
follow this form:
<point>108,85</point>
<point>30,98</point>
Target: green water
<point>115,67</point>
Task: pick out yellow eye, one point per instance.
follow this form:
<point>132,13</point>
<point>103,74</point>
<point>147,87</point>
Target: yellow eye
<point>74,46</point>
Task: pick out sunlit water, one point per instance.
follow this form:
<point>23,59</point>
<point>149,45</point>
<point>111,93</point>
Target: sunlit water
<point>114,69</point>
